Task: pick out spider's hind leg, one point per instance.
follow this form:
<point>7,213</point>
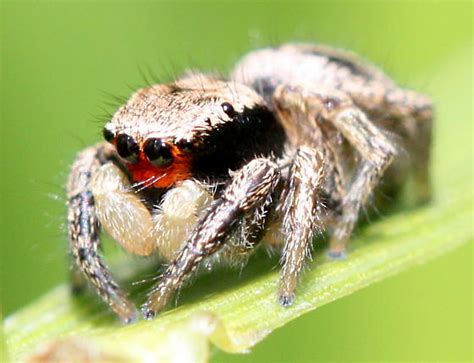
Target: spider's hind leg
<point>375,149</point>
<point>377,153</point>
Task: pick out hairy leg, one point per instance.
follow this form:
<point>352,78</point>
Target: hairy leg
<point>178,213</point>
<point>249,187</point>
<point>248,234</point>
<point>84,229</point>
<point>413,112</point>
<point>301,217</point>
<point>377,152</point>
<point>374,148</point>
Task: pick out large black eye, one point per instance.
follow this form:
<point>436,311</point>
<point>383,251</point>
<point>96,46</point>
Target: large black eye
<point>108,135</point>
<point>228,109</point>
<point>127,148</point>
<point>158,152</point>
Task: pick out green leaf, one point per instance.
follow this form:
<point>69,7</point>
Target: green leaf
<point>236,312</point>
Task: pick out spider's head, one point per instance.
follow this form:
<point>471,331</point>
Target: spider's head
<point>163,132</point>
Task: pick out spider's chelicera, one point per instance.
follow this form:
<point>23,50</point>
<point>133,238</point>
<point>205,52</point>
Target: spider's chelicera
<point>294,142</point>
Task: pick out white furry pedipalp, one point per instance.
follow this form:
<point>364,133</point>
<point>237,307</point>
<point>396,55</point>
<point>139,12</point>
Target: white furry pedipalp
<point>121,212</point>
<point>177,215</point>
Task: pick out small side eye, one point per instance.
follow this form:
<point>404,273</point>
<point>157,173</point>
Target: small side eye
<point>127,148</point>
<point>108,135</point>
<point>228,109</point>
<point>158,153</point>
<point>185,145</point>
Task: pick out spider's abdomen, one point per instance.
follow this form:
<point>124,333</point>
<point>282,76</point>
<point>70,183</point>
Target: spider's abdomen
<point>321,66</point>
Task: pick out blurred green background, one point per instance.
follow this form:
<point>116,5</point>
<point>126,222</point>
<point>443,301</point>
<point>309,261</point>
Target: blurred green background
<point>59,61</point>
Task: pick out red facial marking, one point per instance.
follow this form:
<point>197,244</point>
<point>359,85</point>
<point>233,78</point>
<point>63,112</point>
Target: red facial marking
<point>152,176</point>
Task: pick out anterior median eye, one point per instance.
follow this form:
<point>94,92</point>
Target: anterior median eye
<point>158,153</point>
<point>127,148</point>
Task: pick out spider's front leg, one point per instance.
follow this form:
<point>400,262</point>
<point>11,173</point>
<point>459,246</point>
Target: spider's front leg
<point>97,196</point>
<point>376,151</point>
<point>249,188</point>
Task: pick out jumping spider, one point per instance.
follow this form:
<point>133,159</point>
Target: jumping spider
<point>295,141</point>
